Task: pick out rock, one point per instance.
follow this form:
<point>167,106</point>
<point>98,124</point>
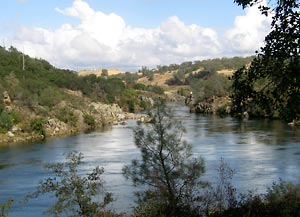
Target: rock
<point>105,114</point>
<point>147,100</point>
<point>144,119</point>
<point>10,134</point>
<point>228,110</point>
<point>203,108</point>
<point>121,117</point>
<point>6,101</point>
<point>131,116</point>
<point>245,115</point>
<point>16,129</point>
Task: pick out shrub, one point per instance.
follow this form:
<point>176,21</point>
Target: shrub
<point>75,193</point>
<point>89,120</point>
<point>37,125</point>
<point>67,116</point>
<point>6,121</point>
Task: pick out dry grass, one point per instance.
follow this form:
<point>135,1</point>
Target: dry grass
<point>226,72</point>
<point>158,79</point>
<point>98,72</point>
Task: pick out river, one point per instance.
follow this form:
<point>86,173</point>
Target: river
<point>259,151</point>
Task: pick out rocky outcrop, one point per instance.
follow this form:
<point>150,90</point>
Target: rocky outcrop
<point>105,114</point>
<point>173,96</point>
<point>216,105</point>
<point>66,119</point>
<point>147,100</point>
<point>6,101</point>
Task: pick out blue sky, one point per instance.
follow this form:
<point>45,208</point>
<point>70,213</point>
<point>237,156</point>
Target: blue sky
<point>129,34</point>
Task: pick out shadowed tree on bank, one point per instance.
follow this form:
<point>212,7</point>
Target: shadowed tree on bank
<point>271,85</point>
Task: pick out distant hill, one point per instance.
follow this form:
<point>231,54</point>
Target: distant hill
<point>98,72</point>
<point>186,72</point>
<point>36,97</point>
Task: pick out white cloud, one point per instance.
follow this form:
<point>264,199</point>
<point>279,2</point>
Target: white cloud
<point>105,40</point>
<point>248,32</point>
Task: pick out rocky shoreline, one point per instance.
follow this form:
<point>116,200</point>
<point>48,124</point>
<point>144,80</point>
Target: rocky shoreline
<point>103,115</point>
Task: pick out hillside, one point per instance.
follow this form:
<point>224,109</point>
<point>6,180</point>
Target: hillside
<point>98,72</point>
<point>39,100</point>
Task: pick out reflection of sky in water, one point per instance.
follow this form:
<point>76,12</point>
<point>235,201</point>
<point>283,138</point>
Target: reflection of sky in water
<point>260,152</point>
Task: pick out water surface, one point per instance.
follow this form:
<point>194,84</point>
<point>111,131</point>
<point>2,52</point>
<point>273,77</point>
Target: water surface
<point>259,151</point>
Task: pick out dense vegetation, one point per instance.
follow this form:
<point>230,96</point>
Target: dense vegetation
<point>270,87</point>
<point>36,87</point>
<point>42,84</point>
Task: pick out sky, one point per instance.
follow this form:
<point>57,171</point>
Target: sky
<point>129,34</point>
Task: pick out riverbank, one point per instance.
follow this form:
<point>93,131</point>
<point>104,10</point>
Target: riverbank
<point>94,117</point>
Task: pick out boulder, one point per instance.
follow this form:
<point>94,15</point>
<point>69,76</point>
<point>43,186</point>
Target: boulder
<point>10,134</point>
<point>6,101</point>
<point>16,129</point>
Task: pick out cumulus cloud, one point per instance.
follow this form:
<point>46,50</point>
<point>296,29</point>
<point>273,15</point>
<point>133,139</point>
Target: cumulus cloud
<point>105,40</point>
<point>248,32</point>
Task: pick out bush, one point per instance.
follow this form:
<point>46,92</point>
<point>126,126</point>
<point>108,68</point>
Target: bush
<point>75,193</point>
<point>37,125</point>
<point>67,116</point>
<point>281,200</point>
<point>89,120</point>
<point>6,121</point>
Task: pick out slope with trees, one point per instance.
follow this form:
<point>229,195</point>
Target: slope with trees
<point>42,97</point>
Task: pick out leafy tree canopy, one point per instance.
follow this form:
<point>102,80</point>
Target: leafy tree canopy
<point>271,85</point>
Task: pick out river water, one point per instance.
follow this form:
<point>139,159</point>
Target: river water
<point>259,151</point>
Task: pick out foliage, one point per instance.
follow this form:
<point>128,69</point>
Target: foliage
<point>67,115</point>
<point>178,78</point>
<point>75,194</point>
<point>41,84</point>
<point>8,119</point>
<point>281,200</point>
<point>104,73</point>
<point>150,88</point>
<point>129,78</point>
<point>5,122</point>
<point>5,208</point>
<point>222,195</point>
<point>214,85</point>
<point>166,167</point>
<point>272,82</point>
<point>147,73</point>
<point>37,125</point>
<point>114,88</point>
<point>89,120</point>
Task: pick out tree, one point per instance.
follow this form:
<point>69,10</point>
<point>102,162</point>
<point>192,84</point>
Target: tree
<point>104,73</point>
<point>166,167</point>
<point>75,194</point>
<point>272,82</point>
